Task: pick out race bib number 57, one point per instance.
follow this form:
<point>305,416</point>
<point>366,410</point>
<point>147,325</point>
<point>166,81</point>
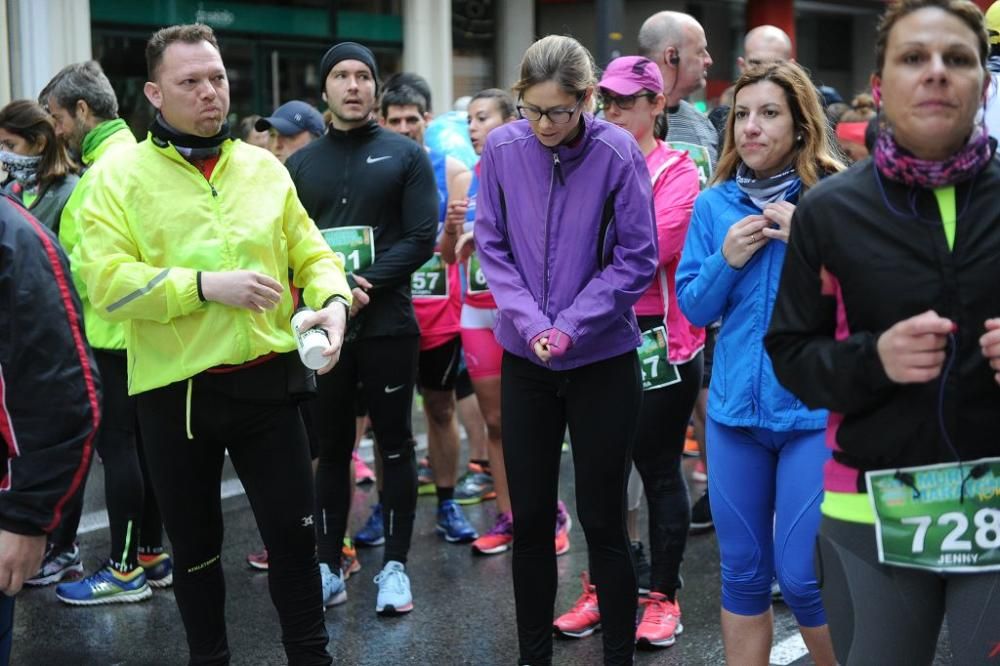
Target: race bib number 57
<point>938,517</point>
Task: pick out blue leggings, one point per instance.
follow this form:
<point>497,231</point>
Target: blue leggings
<point>766,488</point>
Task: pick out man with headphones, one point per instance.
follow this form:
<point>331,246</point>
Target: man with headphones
<point>676,43</point>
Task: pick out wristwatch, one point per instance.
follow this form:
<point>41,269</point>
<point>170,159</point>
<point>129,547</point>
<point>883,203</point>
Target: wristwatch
<point>336,298</point>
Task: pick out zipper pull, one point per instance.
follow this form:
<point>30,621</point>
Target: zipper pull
<point>215,192</point>
<point>557,165</point>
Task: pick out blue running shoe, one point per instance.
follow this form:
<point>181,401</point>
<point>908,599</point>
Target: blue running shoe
<point>106,586</point>
<point>372,534</point>
<point>334,590</point>
<point>394,596</point>
<point>453,525</point>
<point>159,569</point>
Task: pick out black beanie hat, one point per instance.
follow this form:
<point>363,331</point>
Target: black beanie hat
<point>346,51</point>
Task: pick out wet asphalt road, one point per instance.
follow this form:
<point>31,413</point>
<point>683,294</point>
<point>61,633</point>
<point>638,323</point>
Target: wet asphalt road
<point>463,604</point>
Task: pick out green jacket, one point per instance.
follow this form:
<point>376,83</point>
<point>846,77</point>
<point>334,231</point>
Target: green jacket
<point>153,222</point>
<point>101,334</point>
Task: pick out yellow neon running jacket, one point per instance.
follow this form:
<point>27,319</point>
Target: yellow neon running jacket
<point>152,222</point>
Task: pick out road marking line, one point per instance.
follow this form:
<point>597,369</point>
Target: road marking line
<point>98,520</point>
<point>789,650</point>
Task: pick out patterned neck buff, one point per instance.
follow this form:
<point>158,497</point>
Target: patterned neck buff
<point>24,168</point>
<point>898,164</point>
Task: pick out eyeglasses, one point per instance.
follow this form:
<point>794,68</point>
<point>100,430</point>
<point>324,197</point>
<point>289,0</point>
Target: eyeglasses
<point>623,102</point>
<point>556,116</point>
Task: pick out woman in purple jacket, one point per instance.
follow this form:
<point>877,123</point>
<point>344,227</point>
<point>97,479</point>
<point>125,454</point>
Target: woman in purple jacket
<point>567,240</point>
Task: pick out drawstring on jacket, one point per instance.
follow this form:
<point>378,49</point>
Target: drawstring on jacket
<point>187,408</point>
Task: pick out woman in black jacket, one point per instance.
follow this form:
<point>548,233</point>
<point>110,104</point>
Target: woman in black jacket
<point>887,315</point>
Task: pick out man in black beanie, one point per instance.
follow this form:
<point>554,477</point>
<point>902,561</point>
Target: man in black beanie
<point>373,196</point>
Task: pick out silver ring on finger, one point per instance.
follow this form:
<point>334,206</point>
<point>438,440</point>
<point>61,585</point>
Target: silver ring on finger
<point>753,239</point>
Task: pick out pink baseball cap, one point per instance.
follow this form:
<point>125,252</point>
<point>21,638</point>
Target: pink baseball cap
<point>629,75</point>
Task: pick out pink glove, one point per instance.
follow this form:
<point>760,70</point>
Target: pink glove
<point>559,342</point>
<point>548,333</point>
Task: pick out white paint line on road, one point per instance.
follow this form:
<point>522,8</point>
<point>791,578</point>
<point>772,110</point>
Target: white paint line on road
<point>789,650</point>
<point>98,520</point>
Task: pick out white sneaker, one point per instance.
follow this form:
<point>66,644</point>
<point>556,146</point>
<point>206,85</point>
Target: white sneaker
<point>334,589</point>
<point>394,596</point>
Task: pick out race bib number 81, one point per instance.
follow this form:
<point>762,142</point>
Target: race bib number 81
<point>354,245</point>
<point>925,520</point>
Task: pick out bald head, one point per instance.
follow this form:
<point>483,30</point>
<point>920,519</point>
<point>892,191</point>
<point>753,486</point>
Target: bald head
<point>676,43</point>
<point>765,44</point>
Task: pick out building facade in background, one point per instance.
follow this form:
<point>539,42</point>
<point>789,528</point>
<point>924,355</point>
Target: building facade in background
<point>272,47</point>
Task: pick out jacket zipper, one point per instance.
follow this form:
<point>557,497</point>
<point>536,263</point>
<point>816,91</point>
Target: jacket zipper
<point>548,210</point>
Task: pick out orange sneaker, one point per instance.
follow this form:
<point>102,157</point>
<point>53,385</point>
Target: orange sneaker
<point>584,618</point>
<point>661,622</point>
<point>349,559</point>
<point>498,539</point>
<point>691,448</point>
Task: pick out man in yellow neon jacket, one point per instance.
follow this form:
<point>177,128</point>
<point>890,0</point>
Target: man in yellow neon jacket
<point>189,238</point>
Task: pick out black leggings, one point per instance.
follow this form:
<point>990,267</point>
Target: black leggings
<point>890,615</point>
<point>133,515</point>
<point>188,426</point>
<point>659,444</point>
<point>387,371</point>
<point>600,402</point>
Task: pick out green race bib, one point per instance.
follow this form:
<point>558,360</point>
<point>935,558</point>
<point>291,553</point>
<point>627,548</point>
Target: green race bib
<point>701,158</point>
<point>354,245</point>
<point>477,279</point>
<point>657,371</point>
<point>431,279</point>
<point>924,519</point>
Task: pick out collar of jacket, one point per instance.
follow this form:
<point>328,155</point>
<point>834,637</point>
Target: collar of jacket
<point>171,153</point>
<point>579,148</point>
<point>366,130</point>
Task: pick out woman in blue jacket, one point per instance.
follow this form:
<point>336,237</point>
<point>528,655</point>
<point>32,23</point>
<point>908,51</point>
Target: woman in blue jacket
<point>766,450</point>
<point>567,240</point>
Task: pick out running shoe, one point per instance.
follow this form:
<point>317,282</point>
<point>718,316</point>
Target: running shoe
<point>474,487</point>
<point>106,586</point>
<point>258,561</point>
<point>563,525</point>
<point>701,515</point>
<point>699,473</point>
<point>57,565</point>
<point>498,539</point>
<point>425,477</point>
<point>349,563</point>
<point>584,618</point>
<point>661,622</point>
<point>776,595</point>
<point>643,570</point>
<point>372,534</point>
<point>691,447</point>
<point>452,525</point>
<point>334,590</point>
<point>394,596</point>
<point>159,569</point>
<point>363,474</point>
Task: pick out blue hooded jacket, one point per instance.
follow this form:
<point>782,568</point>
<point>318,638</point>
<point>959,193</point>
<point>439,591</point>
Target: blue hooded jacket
<point>744,390</point>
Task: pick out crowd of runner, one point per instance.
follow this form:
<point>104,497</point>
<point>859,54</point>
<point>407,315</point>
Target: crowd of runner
<point>794,288</point>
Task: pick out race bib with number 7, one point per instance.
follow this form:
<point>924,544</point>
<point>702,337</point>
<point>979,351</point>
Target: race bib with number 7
<point>924,519</point>
<point>657,371</point>
<point>354,245</point>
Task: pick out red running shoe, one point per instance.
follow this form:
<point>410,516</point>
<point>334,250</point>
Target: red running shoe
<point>661,622</point>
<point>583,618</point>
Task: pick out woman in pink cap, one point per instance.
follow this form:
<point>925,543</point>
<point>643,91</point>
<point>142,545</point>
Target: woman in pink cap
<point>670,353</point>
